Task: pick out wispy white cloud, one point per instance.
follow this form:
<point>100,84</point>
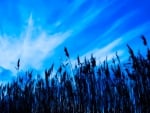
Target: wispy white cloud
<point>116,45</point>
<point>31,50</point>
<point>136,32</point>
<point>120,22</point>
<point>101,53</point>
<point>81,21</point>
<point>89,16</point>
<point>113,30</point>
<point>71,9</point>
<point>35,44</point>
<point>108,50</point>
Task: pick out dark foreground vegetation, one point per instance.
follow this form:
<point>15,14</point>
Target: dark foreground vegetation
<point>88,88</point>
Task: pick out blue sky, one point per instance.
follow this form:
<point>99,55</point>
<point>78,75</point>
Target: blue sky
<point>36,31</point>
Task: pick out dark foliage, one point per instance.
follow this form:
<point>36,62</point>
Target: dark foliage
<point>94,90</point>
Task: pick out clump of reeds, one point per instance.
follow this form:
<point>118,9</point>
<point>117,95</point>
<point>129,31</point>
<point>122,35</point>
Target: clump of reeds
<point>93,90</point>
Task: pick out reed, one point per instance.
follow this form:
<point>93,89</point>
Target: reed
<point>93,90</point>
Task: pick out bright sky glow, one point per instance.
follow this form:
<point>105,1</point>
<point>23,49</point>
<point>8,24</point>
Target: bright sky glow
<point>36,31</point>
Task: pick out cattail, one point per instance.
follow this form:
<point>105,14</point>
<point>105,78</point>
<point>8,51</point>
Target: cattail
<point>78,59</point>
<point>51,69</point>
<point>144,40</point>
<point>93,61</point>
<point>18,64</point>
<point>85,60</point>
<point>60,69</point>
<point>66,52</point>
<point>107,73</point>
<point>131,52</point>
<point>118,57</point>
<point>113,60</point>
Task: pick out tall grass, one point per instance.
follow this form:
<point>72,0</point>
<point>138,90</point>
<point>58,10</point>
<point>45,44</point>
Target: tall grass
<point>93,90</point>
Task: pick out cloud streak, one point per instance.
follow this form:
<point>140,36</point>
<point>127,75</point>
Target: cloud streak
<point>116,45</point>
<point>35,34</point>
<point>108,50</point>
<point>31,51</point>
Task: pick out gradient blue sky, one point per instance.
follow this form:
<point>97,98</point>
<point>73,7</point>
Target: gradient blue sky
<point>36,31</point>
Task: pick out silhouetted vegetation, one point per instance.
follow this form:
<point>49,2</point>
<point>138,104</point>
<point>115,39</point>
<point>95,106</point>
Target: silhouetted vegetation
<point>106,88</point>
